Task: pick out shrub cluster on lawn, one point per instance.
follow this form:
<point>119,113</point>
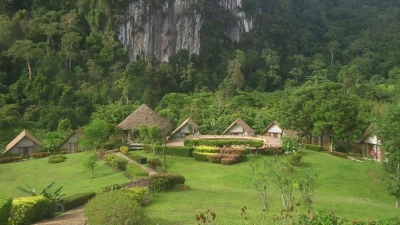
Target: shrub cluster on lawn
<point>76,200</point>
<point>38,155</point>
<point>339,154</point>
<point>154,163</point>
<point>138,194</point>
<point>5,208</point>
<point>113,187</point>
<point>9,159</point>
<point>316,148</point>
<point>203,153</point>
<point>115,207</point>
<point>115,161</point>
<point>295,159</point>
<point>225,156</point>
<point>183,151</point>
<point>223,142</point>
<point>139,159</point>
<point>57,158</point>
<point>165,181</point>
<point>136,171</point>
<point>26,210</point>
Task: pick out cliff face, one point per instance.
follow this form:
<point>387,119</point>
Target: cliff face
<point>162,28</point>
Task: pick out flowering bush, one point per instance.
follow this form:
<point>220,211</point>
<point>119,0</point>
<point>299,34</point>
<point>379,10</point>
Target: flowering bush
<point>228,161</point>
<point>215,158</point>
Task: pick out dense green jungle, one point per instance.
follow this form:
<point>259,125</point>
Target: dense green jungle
<point>317,66</point>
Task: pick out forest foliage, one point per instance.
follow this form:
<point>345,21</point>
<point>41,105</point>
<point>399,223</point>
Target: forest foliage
<point>62,61</point>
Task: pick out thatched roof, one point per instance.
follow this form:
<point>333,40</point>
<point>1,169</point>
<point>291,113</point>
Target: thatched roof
<point>242,124</point>
<point>368,132</point>
<point>187,121</point>
<point>144,115</point>
<point>290,133</point>
<point>78,133</point>
<point>20,136</point>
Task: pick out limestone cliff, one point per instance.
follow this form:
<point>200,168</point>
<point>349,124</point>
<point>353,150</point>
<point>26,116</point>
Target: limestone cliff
<point>163,27</point>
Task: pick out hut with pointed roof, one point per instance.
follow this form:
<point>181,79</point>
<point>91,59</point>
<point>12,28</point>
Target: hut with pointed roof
<point>71,143</point>
<point>23,145</point>
<point>144,115</point>
<point>370,144</point>
<point>274,129</point>
<point>239,127</point>
<point>187,128</point>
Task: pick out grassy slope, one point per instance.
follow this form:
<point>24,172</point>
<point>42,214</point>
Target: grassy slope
<point>350,189</point>
<point>38,173</point>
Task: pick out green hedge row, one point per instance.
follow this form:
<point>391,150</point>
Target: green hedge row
<point>339,154</point>
<point>165,181</point>
<point>183,151</point>
<point>316,148</point>
<point>115,161</point>
<point>136,171</point>
<point>223,142</point>
<point>5,208</point>
<point>57,158</point>
<point>38,155</point>
<point>207,149</point>
<point>203,156</point>
<point>26,210</point>
<point>10,159</point>
<point>76,200</point>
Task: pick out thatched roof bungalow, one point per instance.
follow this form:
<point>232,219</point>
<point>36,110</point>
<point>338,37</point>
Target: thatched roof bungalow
<point>71,143</point>
<point>187,128</point>
<point>23,145</point>
<point>239,127</point>
<point>274,129</point>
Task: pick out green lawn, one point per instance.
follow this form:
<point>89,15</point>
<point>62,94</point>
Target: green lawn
<point>38,173</point>
<point>350,189</point>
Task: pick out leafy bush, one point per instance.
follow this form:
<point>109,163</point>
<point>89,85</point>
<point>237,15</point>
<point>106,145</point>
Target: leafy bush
<point>272,150</point>
<point>228,161</point>
<point>115,207</point>
<point>57,158</point>
<point>38,155</point>
<point>316,148</point>
<point>138,194</point>
<point>203,156</point>
<point>295,159</point>
<point>223,142</point>
<point>183,151</point>
<point>113,187</point>
<point>136,171</point>
<point>215,158</point>
<point>339,154</point>
<point>76,200</point>
<point>164,182</point>
<point>10,159</point>
<point>290,144</point>
<point>26,210</point>
<point>207,149</point>
<point>124,149</point>
<point>154,163</point>
<point>115,161</point>
<point>5,208</point>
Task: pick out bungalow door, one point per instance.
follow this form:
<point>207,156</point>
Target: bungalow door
<point>25,152</point>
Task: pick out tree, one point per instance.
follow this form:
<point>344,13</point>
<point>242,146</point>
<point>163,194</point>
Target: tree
<point>26,50</point>
<point>150,136</point>
<point>233,70</point>
<point>388,130</point>
<point>95,133</point>
<point>90,164</point>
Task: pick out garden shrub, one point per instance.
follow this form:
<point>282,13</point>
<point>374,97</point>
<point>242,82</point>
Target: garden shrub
<point>228,161</point>
<point>223,142</point>
<point>182,151</point>
<point>124,149</point>
<point>26,210</point>
<point>295,159</point>
<point>57,158</point>
<point>136,171</point>
<point>100,154</point>
<point>316,148</point>
<point>137,158</point>
<point>38,155</point>
<point>339,154</point>
<point>5,208</point>
<point>215,158</point>
<point>114,208</point>
<point>272,150</point>
<point>165,181</point>
<point>138,194</point>
<point>207,149</point>
<point>113,187</point>
<point>154,163</point>
<point>76,200</point>
<point>115,161</point>
<point>203,156</point>
<point>9,159</point>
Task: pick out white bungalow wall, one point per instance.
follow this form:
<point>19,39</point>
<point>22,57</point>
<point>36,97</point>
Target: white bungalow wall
<point>236,129</point>
<point>275,131</point>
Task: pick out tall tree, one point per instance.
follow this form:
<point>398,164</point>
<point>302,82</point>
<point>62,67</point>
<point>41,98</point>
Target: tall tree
<point>26,50</point>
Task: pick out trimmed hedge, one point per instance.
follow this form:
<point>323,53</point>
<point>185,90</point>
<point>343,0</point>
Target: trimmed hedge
<point>203,156</point>
<point>139,159</point>
<point>316,148</point>
<point>57,158</point>
<point>10,159</point>
<point>26,210</point>
<point>182,151</point>
<point>207,149</point>
<point>76,200</point>
<point>136,171</point>
<point>115,161</point>
<point>138,194</point>
<point>5,209</point>
<point>38,155</point>
<point>223,142</point>
<point>339,154</point>
<point>154,163</point>
<point>164,182</point>
<point>228,161</point>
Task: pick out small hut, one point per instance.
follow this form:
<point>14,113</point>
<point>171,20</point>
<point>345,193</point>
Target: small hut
<point>144,115</point>
<point>23,145</point>
<point>370,144</point>
<point>187,128</point>
<point>71,143</point>
<point>239,127</point>
<point>274,130</point>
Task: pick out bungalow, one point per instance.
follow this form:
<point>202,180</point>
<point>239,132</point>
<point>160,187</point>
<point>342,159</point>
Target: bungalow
<point>239,127</point>
<point>23,145</point>
<point>274,130</point>
<point>71,143</point>
<point>187,128</point>
<point>370,144</point>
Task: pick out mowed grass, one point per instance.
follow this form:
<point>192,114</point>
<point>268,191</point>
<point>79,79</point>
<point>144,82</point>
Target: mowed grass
<point>352,190</point>
<point>38,173</point>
